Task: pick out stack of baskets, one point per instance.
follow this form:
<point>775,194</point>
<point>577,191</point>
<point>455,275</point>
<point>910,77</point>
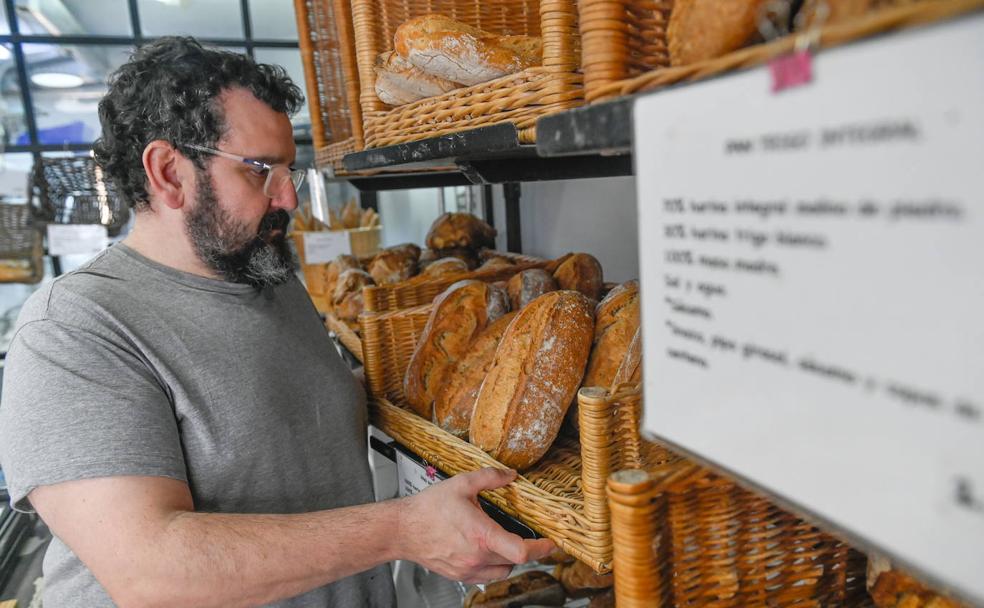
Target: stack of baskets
<point>73,190</point>
<point>21,250</point>
<point>327,44</point>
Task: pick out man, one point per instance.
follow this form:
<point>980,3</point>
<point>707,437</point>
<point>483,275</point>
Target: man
<point>174,410</point>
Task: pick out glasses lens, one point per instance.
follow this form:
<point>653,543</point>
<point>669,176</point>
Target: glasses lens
<point>277,178</point>
<point>297,176</point>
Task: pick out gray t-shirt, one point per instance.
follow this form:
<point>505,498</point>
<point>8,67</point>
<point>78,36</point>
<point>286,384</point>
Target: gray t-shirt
<point>128,367</point>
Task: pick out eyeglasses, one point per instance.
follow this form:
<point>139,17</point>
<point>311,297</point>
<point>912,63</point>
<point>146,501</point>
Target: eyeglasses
<point>277,176</point>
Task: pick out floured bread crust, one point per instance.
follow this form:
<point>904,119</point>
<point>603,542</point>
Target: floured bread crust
<point>536,372</point>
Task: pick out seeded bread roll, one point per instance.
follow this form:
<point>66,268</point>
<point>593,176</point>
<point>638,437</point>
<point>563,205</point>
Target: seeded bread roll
<point>444,267</point>
<point>457,317</point>
<point>393,265</point>
<point>458,52</point>
<point>336,267</point>
<point>347,297</point>
<point>536,372</point>
<point>705,29</point>
<point>533,588</point>
<point>453,230</point>
<point>399,82</point>
<point>526,286</point>
<point>581,272</point>
<point>455,403</point>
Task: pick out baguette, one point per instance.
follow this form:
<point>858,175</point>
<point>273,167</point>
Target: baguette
<point>458,52</point>
<point>458,315</point>
<point>581,272</point>
<point>534,376</point>
<point>455,403</point>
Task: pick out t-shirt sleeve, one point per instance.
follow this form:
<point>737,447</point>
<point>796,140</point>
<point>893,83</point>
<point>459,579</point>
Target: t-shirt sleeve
<point>79,405</point>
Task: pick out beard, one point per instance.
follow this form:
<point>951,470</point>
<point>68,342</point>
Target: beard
<point>231,249</point>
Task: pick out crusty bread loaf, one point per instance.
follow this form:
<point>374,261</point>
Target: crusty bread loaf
<point>557,556</point>
<point>616,322</point>
<point>580,272</point>
<point>705,29</point>
<point>892,588</point>
<point>458,316</point>
<point>456,400</point>
<point>336,267</point>
<point>393,265</point>
<point>630,370</point>
<point>536,372</point>
<point>445,267</point>
<point>579,580</point>
<point>452,230</point>
<point>533,588</point>
<point>498,302</point>
<point>461,53</point>
<point>398,81</point>
<point>465,254</point>
<point>347,297</point>
<point>528,285</point>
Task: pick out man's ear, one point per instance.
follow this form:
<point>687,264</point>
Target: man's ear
<point>162,164</point>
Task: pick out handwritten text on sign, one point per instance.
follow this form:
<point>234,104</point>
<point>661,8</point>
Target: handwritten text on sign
<point>813,279</point>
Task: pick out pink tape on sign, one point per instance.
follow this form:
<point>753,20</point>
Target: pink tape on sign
<point>790,71</point>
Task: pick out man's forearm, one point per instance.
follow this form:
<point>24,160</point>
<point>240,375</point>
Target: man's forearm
<point>212,559</point>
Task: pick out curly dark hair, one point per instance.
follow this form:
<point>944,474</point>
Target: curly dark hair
<point>168,90</point>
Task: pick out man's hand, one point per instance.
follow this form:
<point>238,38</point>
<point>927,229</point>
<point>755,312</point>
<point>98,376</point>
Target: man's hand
<point>444,529</point>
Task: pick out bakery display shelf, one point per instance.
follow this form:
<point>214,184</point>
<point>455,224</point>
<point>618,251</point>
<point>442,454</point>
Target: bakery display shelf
<point>484,155</point>
<point>603,129</point>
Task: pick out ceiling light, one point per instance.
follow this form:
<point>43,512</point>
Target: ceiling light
<point>56,80</point>
<point>172,2</point>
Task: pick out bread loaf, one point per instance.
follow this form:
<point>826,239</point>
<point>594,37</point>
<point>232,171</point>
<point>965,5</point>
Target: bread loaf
<point>533,588</point>
<point>580,272</point>
<point>456,401</point>
<point>528,285</point>
<point>497,261</point>
<point>393,265</point>
<point>630,370</point>
<point>398,81</point>
<point>605,599</point>
<point>579,580</point>
<point>336,267</point>
<point>445,267</point>
<point>892,588</point>
<point>705,29</point>
<point>347,297</point>
<point>616,323</point>
<point>458,52</point>
<point>534,376</point>
<point>458,316</point>
<point>452,230</point>
<point>465,254</point>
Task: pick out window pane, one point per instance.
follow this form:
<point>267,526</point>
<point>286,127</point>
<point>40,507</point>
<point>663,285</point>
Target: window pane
<point>290,59</point>
<point>272,20</point>
<point>13,125</point>
<point>74,17</point>
<point>202,18</point>
<point>67,83</point>
<point>4,26</point>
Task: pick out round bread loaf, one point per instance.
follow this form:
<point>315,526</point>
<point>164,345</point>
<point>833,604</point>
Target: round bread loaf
<point>528,285</point>
<point>535,374</point>
<point>393,265</point>
<point>452,230</point>
<point>581,272</point>
<point>347,297</point>
<point>445,267</point>
<point>336,267</point>
<point>705,29</point>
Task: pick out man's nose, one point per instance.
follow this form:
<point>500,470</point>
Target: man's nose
<point>286,199</point>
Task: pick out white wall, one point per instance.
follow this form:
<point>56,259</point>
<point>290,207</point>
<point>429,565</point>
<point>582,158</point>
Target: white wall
<point>596,216</point>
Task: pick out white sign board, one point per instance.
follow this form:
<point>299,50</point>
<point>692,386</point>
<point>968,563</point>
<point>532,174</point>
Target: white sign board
<point>413,476</point>
<point>323,247</point>
<point>70,239</point>
<point>813,279</point>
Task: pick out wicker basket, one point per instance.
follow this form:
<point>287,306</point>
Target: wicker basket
<point>685,536</point>
<point>346,335</point>
<point>625,49</point>
<point>73,191</point>
<point>362,241</point>
<point>518,98</point>
<point>327,44</point>
<point>21,249</point>
<point>421,289</point>
<point>563,496</point>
